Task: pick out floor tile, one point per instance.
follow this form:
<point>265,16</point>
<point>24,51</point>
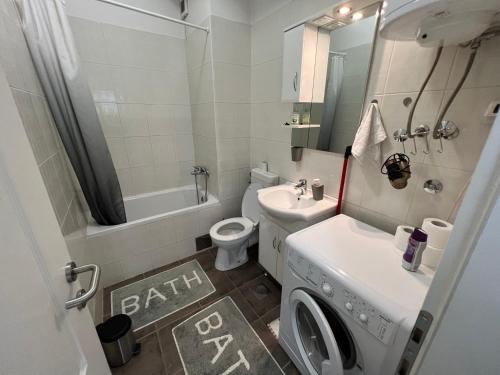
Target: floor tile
<point>290,369</point>
<point>170,355</point>
<point>149,361</point>
<point>270,342</point>
<point>149,329</point>
<point>245,273</point>
<point>255,294</point>
<point>178,315</point>
<point>243,305</point>
<point>262,294</point>
<point>161,269</point>
<point>205,258</point>
<point>223,285</point>
<point>271,315</point>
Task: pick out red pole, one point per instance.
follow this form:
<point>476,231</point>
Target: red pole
<point>342,179</point>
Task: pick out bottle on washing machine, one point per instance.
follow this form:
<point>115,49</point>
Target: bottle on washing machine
<point>416,246</point>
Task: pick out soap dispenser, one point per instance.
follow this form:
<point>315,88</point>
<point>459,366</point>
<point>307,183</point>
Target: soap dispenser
<point>317,189</point>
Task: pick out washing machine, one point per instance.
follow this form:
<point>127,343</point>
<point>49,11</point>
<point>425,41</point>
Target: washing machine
<point>347,305</point>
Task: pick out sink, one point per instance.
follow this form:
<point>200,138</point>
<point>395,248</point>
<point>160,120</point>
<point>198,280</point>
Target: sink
<point>284,202</point>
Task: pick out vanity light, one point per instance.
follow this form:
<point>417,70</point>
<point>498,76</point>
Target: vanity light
<point>357,16</point>
<point>344,10</point>
<point>323,20</point>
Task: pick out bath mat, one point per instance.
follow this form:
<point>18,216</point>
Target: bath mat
<point>160,295</point>
<point>219,340</point>
<point>274,326</point>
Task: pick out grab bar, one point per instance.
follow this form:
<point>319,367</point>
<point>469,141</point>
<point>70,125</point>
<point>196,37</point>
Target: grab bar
<point>82,296</point>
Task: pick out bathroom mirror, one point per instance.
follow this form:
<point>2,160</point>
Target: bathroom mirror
<point>326,66</point>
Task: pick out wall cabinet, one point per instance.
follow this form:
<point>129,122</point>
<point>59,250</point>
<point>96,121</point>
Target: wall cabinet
<point>305,63</point>
<point>271,247</point>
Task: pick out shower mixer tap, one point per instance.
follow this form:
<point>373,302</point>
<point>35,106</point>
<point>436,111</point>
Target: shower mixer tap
<point>401,135</point>
<point>447,130</point>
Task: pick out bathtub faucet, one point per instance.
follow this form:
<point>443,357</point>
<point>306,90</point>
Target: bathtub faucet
<point>198,170</point>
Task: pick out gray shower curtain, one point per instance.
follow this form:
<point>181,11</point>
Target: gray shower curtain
<point>54,55</point>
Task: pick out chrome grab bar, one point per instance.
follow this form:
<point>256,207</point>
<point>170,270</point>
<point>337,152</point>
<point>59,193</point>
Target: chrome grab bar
<point>82,296</point>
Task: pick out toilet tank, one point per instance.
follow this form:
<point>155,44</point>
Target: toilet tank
<point>263,177</point>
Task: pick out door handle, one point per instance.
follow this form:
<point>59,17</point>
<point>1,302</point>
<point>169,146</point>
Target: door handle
<point>295,82</point>
<point>82,296</point>
<point>278,247</point>
<point>274,243</point>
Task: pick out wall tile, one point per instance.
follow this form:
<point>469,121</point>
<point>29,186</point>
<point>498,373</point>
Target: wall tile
<point>139,151</point>
<point>118,152</point>
<point>231,41</point>
<point>163,149</point>
<point>134,119</point>
<point>410,64</point>
<point>110,119</point>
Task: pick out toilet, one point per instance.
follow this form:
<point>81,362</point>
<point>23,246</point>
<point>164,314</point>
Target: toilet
<point>233,236</point>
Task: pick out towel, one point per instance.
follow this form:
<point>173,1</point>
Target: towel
<point>370,135</point>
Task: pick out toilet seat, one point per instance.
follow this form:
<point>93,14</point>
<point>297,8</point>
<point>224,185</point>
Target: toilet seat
<point>247,227</point>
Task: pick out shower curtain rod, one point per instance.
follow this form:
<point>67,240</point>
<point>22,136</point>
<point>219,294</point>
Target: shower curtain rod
<point>153,14</point>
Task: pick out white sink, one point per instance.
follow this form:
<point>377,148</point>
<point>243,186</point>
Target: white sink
<point>285,203</point>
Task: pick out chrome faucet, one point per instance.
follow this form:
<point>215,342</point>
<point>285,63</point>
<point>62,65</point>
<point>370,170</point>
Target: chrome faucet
<point>198,170</point>
<point>302,185</point>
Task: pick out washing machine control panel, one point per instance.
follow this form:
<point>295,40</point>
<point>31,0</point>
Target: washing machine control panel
<point>367,316</point>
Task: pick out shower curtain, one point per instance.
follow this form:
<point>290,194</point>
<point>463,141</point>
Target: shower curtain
<point>52,48</point>
<point>332,95</point>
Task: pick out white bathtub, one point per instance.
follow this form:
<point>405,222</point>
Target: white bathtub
<point>161,229</point>
<point>149,207</point>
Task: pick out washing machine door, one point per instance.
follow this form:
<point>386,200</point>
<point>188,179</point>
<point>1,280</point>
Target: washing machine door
<point>314,337</point>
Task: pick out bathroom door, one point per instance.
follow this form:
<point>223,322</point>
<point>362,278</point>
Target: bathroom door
<point>39,336</point>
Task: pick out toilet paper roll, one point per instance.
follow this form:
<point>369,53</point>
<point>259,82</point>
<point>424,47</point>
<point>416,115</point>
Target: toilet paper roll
<point>438,232</point>
<point>431,257</point>
<point>402,235</point>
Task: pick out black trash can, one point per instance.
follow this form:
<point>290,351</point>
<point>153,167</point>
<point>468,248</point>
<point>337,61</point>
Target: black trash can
<point>118,340</point>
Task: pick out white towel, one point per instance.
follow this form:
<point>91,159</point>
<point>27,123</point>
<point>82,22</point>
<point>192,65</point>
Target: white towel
<point>370,135</point>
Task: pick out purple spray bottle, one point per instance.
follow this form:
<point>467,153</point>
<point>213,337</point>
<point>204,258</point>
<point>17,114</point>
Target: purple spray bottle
<point>416,246</point>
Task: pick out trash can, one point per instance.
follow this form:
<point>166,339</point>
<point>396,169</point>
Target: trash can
<point>118,340</point>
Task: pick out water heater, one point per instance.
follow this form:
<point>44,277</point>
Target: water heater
<point>437,22</point>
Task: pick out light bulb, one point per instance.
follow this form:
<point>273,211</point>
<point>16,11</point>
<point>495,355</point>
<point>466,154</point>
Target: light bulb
<point>344,10</point>
<point>357,16</point>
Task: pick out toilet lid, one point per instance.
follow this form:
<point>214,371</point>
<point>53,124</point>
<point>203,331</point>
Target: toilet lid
<point>250,205</point>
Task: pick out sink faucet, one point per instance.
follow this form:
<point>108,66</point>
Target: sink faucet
<point>302,185</point>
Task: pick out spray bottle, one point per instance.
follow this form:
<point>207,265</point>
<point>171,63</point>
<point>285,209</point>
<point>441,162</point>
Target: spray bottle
<point>416,246</point>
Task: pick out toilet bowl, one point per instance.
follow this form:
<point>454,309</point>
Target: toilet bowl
<point>233,236</point>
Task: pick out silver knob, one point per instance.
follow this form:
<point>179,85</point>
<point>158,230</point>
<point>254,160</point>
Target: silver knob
<point>363,318</point>
<point>327,289</point>
<point>348,306</point>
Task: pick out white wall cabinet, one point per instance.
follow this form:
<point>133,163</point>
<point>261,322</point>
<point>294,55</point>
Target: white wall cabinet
<point>305,63</point>
<point>271,247</point>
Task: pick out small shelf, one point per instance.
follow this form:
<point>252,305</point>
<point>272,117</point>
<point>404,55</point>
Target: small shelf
<point>301,126</point>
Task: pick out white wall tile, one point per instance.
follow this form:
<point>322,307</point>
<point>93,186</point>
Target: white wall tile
<point>231,41</point>
<point>110,119</point>
<point>184,148</point>
<point>163,149</point>
<point>118,152</point>
<point>134,119</point>
<point>139,151</point>
<point>410,64</point>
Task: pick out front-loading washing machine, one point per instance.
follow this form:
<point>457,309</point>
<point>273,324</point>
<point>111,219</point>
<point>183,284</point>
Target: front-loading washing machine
<point>347,306</point>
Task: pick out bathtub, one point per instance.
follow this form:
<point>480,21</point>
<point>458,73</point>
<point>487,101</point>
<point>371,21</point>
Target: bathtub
<point>149,207</point>
<point>161,228</point>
